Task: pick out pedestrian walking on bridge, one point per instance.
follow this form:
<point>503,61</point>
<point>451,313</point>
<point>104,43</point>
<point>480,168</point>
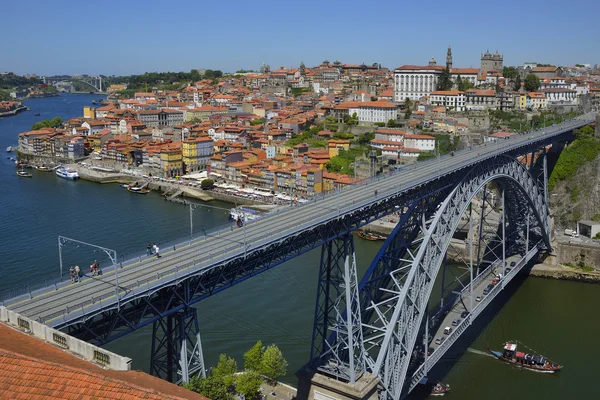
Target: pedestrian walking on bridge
<point>72,274</point>
<point>77,271</point>
<point>149,249</point>
<point>156,250</point>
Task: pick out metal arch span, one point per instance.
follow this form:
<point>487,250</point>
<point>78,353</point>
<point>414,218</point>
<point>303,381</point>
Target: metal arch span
<point>398,318</point>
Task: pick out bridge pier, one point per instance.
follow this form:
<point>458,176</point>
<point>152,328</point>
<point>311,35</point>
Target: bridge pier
<point>337,344</point>
<point>176,347</point>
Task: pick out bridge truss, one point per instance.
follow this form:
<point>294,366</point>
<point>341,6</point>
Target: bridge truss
<point>395,291</point>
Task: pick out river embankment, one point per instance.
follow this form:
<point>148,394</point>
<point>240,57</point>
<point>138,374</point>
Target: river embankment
<point>562,272</point>
<point>15,111</point>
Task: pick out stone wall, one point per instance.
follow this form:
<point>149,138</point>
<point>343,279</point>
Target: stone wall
<point>575,254</point>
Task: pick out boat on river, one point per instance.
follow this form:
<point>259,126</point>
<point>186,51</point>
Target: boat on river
<point>24,174</point>
<point>370,235</point>
<point>43,168</point>
<point>534,362</point>
<point>440,389</point>
<point>67,173</point>
<point>9,149</point>
<point>248,214</point>
<point>138,190</point>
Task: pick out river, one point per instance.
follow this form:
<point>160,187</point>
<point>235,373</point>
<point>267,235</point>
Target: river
<point>556,318</point>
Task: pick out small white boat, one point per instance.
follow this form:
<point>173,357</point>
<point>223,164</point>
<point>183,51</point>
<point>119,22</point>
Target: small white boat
<point>9,149</point>
<point>67,173</point>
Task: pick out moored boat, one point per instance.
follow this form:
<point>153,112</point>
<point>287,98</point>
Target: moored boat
<point>24,174</point>
<point>67,173</point>
<point>43,168</point>
<point>534,362</point>
<point>138,190</point>
<point>9,149</point>
<point>440,389</point>
<point>370,235</point>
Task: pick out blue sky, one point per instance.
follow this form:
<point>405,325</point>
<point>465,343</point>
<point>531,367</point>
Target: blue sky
<point>124,37</point>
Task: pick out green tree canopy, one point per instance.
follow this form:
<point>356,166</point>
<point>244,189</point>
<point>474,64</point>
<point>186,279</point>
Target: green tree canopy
<point>207,183</point>
<point>518,83</point>
<point>47,123</point>
<point>532,83</point>
<point>225,370</point>
<point>273,364</point>
<point>248,383</point>
<point>254,356</point>
<point>391,123</point>
<point>211,387</point>
<point>510,72</point>
<point>444,82</point>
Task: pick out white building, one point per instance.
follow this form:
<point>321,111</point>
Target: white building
<point>560,96</point>
<point>373,111</point>
<point>421,142</point>
<point>451,99</point>
<point>415,81</point>
<point>466,74</point>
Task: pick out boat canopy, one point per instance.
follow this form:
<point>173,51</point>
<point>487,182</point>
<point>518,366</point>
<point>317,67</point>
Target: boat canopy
<point>510,347</point>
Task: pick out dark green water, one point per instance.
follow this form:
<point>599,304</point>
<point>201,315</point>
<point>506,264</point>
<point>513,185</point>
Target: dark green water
<point>556,318</point>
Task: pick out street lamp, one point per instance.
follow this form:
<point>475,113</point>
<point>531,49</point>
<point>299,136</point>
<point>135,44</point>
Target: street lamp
<point>112,254</point>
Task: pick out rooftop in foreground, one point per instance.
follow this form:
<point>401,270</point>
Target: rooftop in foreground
<point>35,369</point>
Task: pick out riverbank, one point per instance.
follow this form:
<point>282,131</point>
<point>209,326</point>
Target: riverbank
<point>562,272</point>
<point>13,112</point>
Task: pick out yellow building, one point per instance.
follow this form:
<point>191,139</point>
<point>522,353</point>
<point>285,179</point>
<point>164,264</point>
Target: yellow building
<point>334,147</point>
<point>522,101</point>
<point>89,112</point>
<point>171,160</point>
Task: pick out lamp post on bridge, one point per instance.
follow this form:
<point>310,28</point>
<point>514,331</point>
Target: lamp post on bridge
<point>112,254</point>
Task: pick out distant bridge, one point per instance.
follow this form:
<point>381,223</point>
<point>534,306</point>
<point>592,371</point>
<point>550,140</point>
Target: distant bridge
<point>94,81</point>
<point>380,325</point>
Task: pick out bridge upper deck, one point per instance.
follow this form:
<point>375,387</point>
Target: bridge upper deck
<point>70,303</point>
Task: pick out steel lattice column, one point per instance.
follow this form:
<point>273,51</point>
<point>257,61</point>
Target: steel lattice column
<point>176,347</point>
<point>337,343</point>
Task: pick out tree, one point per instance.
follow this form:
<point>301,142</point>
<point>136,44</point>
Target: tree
<point>254,356</point>
<point>444,82</point>
<point>391,123</point>
<point>225,370</point>
<point>211,387</point>
<point>532,83</point>
<point>47,123</point>
<point>584,132</point>
<point>464,85</point>
<point>207,184</point>
<point>273,364</point>
<point>459,82</point>
<point>518,83</point>
<point>510,72</point>
<point>248,383</point>
<point>408,106</point>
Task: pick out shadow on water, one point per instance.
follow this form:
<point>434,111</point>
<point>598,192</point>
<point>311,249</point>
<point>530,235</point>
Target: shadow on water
<point>463,344</point>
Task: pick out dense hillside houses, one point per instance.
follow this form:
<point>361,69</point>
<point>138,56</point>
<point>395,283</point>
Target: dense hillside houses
<point>280,129</point>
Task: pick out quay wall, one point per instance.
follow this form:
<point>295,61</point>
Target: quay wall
<point>578,254</point>
<point>563,273</point>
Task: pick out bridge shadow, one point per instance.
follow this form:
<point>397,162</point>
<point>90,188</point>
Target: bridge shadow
<point>454,354</point>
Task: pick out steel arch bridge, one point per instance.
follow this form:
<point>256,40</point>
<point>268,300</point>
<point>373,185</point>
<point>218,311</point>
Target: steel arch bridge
<point>94,81</point>
<point>389,305</point>
<point>373,325</point>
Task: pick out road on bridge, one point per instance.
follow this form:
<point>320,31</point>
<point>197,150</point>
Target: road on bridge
<point>67,304</point>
